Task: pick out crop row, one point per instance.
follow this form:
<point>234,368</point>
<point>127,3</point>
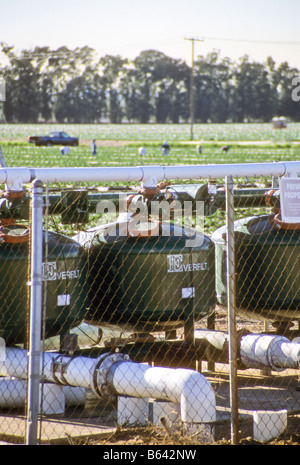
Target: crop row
<point>157,132</point>
<point>127,155</point>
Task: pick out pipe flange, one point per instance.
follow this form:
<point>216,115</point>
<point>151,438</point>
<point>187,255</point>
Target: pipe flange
<point>102,386</point>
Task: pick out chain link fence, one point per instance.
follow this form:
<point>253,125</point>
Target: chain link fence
<point>174,307</point>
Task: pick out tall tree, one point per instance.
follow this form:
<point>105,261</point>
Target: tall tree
<point>166,81</point>
<point>130,94</point>
<point>213,88</point>
<point>253,92</point>
<point>23,100</point>
<point>72,86</point>
<point>82,101</point>
<point>111,69</point>
<point>57,69</point>
<point>286,105</point>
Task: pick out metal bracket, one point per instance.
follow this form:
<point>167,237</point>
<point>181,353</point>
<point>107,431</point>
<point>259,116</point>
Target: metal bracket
<point>58,369</point>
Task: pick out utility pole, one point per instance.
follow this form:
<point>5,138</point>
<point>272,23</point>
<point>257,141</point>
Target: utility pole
<point>192,39</point>
<point>2,100</point>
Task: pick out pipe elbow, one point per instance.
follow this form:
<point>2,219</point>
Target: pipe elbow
<point>197,400</point>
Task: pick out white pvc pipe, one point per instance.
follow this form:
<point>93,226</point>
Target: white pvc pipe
<point>187,387</point>
<point>267,351</point>
<point>258,350</point>
<point>13,394</point>
<point>88,335</point>
<point>79,373</point>
<point>149,176</point>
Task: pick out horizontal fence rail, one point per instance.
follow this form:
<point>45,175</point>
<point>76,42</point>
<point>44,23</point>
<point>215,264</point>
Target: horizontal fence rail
<point>148,175</point>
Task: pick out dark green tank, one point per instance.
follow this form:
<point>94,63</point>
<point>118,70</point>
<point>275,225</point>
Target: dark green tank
<point>144,283</point>
<point>64,274</point>
<point>267,261</point>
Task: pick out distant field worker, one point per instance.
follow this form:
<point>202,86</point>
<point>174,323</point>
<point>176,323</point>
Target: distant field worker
<point>65,150</point>
<point>142,151</point>
<point>225,148</point>
<point>199,148</point>
<point>94,147</point>
<point>165,148</point>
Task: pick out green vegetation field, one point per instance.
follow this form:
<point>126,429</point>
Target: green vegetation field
<point>157,132</point>
<point>118,144</point>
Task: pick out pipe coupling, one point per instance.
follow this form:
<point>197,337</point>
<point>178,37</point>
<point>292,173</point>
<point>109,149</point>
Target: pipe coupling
<point>101,385</point>
<point>263,351</point>
<point>59,368</point>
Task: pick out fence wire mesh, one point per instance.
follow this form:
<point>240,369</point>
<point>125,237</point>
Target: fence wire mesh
<point>135,317</point>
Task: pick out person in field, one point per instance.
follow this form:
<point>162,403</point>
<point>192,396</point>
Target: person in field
<point>165,148</point>
<point>94,147</point>
<point>142,151</point>
<point>65,150</point>
<point>199,148</point>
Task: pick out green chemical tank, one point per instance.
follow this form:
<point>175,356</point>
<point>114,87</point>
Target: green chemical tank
<point>64,304</point>
<point>144,282</point>
<point>267,268</point>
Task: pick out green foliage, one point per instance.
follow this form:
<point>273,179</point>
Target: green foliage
<point>73,86</point>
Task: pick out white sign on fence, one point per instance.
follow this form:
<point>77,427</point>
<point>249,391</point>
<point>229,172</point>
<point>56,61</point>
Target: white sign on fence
<point>290,200</point>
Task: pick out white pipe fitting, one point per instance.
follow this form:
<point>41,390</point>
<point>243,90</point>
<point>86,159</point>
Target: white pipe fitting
<point>275,352</point>
<point>187,387</point>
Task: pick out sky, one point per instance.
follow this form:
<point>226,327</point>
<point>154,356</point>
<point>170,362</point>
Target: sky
<point>258,28</point>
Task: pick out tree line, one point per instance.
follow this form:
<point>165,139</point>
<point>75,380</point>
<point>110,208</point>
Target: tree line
<point>76,86</point>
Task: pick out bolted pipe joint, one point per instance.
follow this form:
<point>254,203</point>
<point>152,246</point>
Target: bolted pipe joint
<point>101,383</point>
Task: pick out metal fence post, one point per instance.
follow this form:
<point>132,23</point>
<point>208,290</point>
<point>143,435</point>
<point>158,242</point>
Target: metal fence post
<point>230,263</point>
<point>36,257</point>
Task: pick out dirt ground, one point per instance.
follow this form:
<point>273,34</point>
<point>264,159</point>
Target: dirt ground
<point>108,143</point>
<point>148,436</point>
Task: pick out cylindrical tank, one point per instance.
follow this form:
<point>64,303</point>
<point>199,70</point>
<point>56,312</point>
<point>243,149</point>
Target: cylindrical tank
<point>64,295</point>
<point>267,268</point>
<point>146,283</point>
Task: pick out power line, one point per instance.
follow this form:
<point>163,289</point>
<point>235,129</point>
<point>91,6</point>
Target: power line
<point>73,53</point>
<point>271,42</point>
